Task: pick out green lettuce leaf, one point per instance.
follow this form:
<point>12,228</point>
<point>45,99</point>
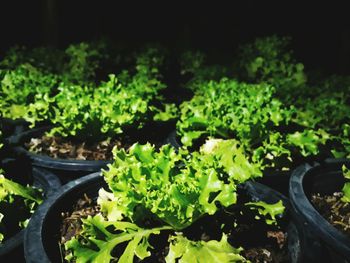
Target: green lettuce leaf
<point>269,211</point>
<point>177,187</point>
<point>99,237</point>
<point>16,201</point>
<point>183,250</point>
<point>346,187</point>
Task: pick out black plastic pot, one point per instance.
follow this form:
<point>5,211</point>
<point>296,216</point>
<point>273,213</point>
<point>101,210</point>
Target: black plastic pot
<point>11,250</point>
<point>325,178</point>
<point>278,181</point>
<point>42,234</point>
<point>66,170</point>
<point>11,127</point>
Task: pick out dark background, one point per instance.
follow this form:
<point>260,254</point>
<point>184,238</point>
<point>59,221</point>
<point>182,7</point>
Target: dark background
<point>321,34</point>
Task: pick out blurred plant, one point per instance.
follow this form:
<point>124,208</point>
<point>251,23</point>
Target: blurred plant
<point>269,60</point>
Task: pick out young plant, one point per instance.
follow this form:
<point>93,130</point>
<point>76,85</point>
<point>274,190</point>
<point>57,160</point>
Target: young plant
<point>22,86</point>
<point>83,61</point>
<point>173,189</point>
<point>270,60</point>
<point>326,111</point>
<point>229,109</point>
<point>273,134</point>
<point>109,109</point>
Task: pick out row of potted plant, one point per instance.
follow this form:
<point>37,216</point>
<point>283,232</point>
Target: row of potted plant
<point>150,191</point>
<point>277,119</point>
<point>153,205</point>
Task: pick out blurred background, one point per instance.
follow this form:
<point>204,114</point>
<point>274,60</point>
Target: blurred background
<point>320,34</point>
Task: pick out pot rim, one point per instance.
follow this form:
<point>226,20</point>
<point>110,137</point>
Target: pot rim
<point>325,230</point>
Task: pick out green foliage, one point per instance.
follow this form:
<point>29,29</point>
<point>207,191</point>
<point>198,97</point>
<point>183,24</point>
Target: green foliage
<point>22,86</point>
<point>101,237</point>
<point>170,188</point>
<point>269,211</point>
<point>308,141</point>
<point>346,187</point>
<point>83,61</point>
<point>175,186</point>
<point>183,250</point>
<point>272,134</point>
<point>170,112</point>
<point>72,111</point>
<point>326,111</point>
<point>149,62</point>
<point>344,140</point>
<point>17,196</point>
<point>269,60</point>
<point>274,152</point>
<point>230,109</point>
<point>108,109</point>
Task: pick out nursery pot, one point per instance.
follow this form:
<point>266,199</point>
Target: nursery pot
<point>65,169</point>
<point>12,249</point>
<point>11,127</point>
<point>277,180</point>
<point>325,178</point>
<point>43,232</point>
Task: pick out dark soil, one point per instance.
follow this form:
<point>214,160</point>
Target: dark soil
<point>70,148</point>
<point>58,147</point>
<point>332,208</point>
<point>261,242</point>
<point>72,224</point>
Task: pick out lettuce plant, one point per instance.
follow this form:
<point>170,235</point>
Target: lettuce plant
<point>107,110</point>
<point>326,111</point>
<point>271,133</point>
<point>176,189</point>
<point>83,61</point>
<point>22,86</point>
<point>341,148</point>
<point>230,109</point>
<point>172,189</point>
<point>269,60</point>
<point>124,101</point>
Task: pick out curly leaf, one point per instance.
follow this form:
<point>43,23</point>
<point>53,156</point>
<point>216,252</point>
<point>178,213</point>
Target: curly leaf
<point>346,187</point>
<point>99,237</point>
<point>183,250</point>
<point>308,141</point>
<point>177,187</point>
<point>8,187</point>
<point>270,210</point>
